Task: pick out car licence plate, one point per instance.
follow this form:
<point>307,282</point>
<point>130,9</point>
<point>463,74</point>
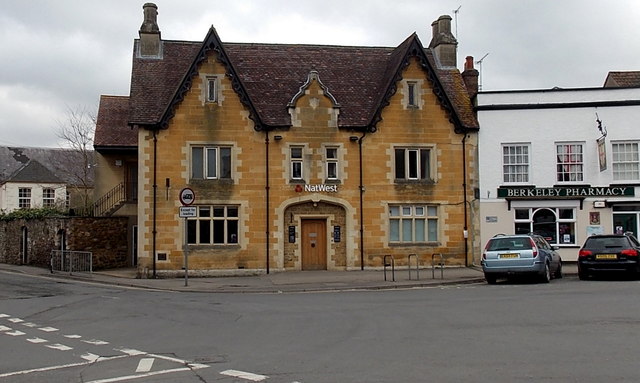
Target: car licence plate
<point>606,256</point>
<point>508,256</point>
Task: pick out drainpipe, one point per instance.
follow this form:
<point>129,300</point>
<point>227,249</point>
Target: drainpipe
<point>361,203</point>
<point>266,143</point>
<point>155,204</point>
<point>464,189</point>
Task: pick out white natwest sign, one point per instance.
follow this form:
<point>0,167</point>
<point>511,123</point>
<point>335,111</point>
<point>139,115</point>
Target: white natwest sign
<point>321,188</point>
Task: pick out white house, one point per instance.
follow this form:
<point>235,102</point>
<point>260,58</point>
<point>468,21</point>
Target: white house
<point>561,162</point>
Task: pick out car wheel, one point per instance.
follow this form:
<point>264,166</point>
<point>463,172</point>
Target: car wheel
<point>583,275</point>
<point>491,279</point>
<point>558,274</point>
<point>546,274</point>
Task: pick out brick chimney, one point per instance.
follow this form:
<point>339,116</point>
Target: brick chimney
<point>150,33</point>
<point>470,77</point>
<point>443,43</point>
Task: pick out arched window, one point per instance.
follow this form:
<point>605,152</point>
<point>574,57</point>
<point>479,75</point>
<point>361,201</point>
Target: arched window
<point>556,225</point>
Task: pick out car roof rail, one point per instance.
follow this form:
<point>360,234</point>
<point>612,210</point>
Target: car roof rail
<point>499,235</point>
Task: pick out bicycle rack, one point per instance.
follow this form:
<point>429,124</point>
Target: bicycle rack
<point>433,265</point>
<point>409,265</point>
<point>393,267</point>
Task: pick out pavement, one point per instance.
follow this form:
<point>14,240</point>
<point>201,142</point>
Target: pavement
<point>279,282</point>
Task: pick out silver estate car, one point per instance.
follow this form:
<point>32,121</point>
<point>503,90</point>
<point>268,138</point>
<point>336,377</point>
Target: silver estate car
<point>507,255</point>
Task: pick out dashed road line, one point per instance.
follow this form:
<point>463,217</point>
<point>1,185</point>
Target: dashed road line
<point>15,320</point>
<point>73,336</point>
<point>58,346</point>
<point>244,375</point>
<point>37,340</point>
<point>48,329</point>
<point>145,364</point>
<point>15,333</point>
<point>95,342</point>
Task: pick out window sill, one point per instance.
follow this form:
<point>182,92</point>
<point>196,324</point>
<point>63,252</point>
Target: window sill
<point>193,246</point>
<point>402,181</point>
<point>205,182</point>
<point>414,244</point>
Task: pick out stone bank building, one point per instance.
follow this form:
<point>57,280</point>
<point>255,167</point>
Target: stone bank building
<point>299,157</point>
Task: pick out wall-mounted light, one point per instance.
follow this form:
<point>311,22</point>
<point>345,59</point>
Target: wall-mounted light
<point>118,162</point>
<point>353,138</point>
<point>277,138</point>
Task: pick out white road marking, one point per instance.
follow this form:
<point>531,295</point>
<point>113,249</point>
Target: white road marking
<point>96,342</point>
<point>244,375</point>
<point>48,329</point>
<point>5,328</point>
<point>131,377</point>
<point>15,320</point>
<point>59,346</point>
<point>90,357</point>
<point>4,316</point>
<point>37,340</point>
<point>130,351</point>
<point>29,324</point>
<point>60,367</point>
<point>15,333</point>
<point>73,336</point>
<point>145,365</point>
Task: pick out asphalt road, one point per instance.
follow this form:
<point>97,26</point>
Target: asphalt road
<point>565,331</point>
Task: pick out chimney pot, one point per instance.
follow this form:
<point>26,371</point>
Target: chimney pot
<point>443,43</point>
<point>150,44</point>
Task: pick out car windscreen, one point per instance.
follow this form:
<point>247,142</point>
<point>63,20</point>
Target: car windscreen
<point>498,244</point>
<point>606,243</point>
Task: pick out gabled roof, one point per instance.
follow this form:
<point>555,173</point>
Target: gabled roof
<point>112,127</point>
<point>62,165</point>
<point>267,76</point>
<point>34,171</point>
<point>622,79</point>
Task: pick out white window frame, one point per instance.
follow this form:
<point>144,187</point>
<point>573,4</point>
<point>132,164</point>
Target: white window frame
<point>212,88</point>
<point>518,163</point>
<point>205,170</point>
<point>24,198</point>
<point>48,197</point>
<point>525,216</point>
<point>414,172</point>
<point>230,225</point>
<point>413,223</point>
<point>297,162</point>
<point>331,158</point>
<point>570,162</point>
<point>625,163</point>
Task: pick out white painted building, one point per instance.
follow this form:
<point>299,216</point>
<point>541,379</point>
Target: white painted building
<point>545,164</point>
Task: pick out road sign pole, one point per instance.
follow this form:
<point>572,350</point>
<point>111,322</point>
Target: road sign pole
<point>185,251</point>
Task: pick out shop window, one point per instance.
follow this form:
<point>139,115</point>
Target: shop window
<point>48,197</point>
<point>556,225</point>
<point>331,158</point>
<point>214,225</point>
<point>570,162</point>
<point>210,162</point>
<point>24,198</point>
<point>413,164</point>
<point>413,223</point>
<point>296,163</point>
<point>515,163</point>
<point>625,161</point>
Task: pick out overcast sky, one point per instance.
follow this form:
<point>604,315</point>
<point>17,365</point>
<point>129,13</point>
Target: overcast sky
<point>62,54</point>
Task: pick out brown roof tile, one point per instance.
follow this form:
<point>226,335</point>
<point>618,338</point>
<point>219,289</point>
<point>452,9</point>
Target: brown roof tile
<point>112,127</point>
<point>360,79</point>
<point>628,79</point>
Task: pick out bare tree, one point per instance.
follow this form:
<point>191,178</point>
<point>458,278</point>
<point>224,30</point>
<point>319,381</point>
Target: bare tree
<point>76,131</point>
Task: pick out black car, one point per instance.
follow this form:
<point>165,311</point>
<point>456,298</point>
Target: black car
<point>614,252</point>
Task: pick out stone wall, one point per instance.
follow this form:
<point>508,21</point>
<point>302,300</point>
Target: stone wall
<point>105,237</point>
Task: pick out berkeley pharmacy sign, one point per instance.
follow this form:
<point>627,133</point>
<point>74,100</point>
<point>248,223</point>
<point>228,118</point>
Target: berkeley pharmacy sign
<point>565,192</point>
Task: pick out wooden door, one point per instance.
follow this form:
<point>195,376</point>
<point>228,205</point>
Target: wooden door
<point>314,244</point>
